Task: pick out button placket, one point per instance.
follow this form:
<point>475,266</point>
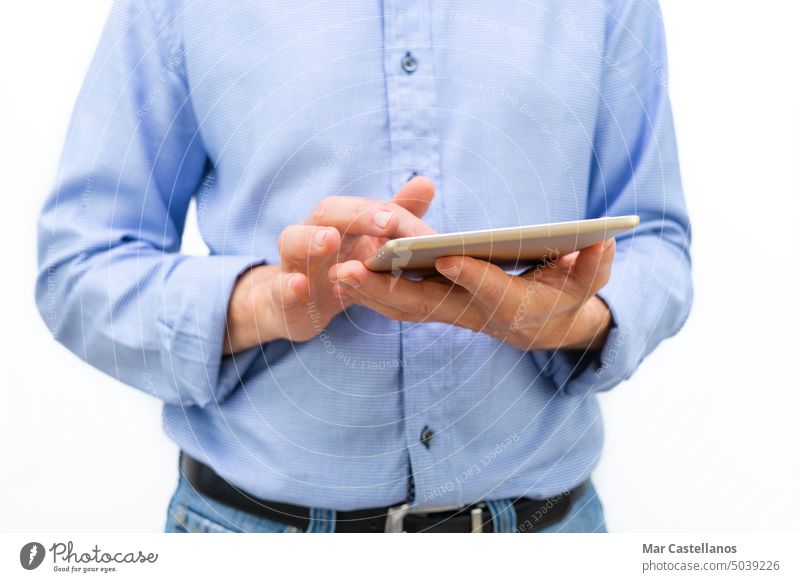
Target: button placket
<point>411,95</point>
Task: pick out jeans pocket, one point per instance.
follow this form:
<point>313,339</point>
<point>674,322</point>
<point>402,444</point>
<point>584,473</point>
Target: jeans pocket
<point>188,520</point>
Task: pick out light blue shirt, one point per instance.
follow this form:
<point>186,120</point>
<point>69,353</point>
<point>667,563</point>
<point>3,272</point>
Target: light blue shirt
<point>520,112</point>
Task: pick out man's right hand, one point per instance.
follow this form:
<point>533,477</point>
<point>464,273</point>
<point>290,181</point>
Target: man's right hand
<point>293,300</point>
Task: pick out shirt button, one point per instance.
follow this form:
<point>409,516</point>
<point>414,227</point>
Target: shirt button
<point>426,436</point>
<point>409,63</point>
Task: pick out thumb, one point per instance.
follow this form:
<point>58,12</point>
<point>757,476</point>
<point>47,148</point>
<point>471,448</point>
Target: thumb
<point>592,267</point>
<point>415,195</point>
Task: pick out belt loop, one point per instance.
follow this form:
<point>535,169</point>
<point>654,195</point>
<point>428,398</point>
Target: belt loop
<point>329,520</point>
<point>313,524</point>
<point>512,514</point>
<point>321,520</point>
<point>504,515</point>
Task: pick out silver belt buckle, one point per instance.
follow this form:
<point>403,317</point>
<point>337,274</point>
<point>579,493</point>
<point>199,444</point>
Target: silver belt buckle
<point>396,515</point>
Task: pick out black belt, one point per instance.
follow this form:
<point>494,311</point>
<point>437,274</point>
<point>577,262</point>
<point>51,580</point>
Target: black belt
<point>532,514</point>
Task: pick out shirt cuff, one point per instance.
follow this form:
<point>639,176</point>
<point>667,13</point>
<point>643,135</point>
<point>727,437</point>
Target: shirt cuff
<point>579,372</point>
<point>192,322</point>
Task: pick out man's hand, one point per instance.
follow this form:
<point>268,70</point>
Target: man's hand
<point>551,306</point>
<point>294,300</point>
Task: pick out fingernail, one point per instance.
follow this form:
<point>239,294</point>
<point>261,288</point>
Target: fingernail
<point>607,244</point>
<point>382,218</point>
<point>319,237</point>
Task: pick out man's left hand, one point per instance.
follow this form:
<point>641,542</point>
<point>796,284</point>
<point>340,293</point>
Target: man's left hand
<point>552,306</point>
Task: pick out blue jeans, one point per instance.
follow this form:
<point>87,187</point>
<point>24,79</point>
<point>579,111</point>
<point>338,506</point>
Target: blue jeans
<point>191,512</point>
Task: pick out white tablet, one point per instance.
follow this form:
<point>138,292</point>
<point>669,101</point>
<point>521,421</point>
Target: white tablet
<point>510,248</point>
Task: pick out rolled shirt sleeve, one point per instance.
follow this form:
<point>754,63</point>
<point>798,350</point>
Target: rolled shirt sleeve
<point>635,171</point>
<point>112,285</point>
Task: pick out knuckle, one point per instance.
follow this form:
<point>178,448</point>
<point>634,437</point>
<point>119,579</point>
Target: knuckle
<point>398,213</point>
<point>289,237</point>
<point>422,310</point>
<point>391,207</point>
<point>283,239</point>
<point>321,209</point>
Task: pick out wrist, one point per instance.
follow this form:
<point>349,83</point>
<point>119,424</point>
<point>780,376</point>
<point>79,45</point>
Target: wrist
<point>250,316</point>
<point>592,324</point>
<point>583,328</point>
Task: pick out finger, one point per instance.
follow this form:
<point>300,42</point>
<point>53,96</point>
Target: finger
<point>415,195</point>
<point>300,242</point>
<point>354,215</point>
<point>340,293</point>
<point>385,310</point>
<point>591,268</point>
<point>454,312</point>
<point>418,300</point>
<point>487,282</point>
<point>290,289</point>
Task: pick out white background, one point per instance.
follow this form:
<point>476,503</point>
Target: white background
<point>704,437</point>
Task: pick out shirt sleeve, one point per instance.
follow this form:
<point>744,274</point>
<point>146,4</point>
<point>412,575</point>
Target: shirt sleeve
<point>635,171</point>
<point>112,286</point>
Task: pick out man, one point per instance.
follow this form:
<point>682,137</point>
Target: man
<point>306,392</point>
